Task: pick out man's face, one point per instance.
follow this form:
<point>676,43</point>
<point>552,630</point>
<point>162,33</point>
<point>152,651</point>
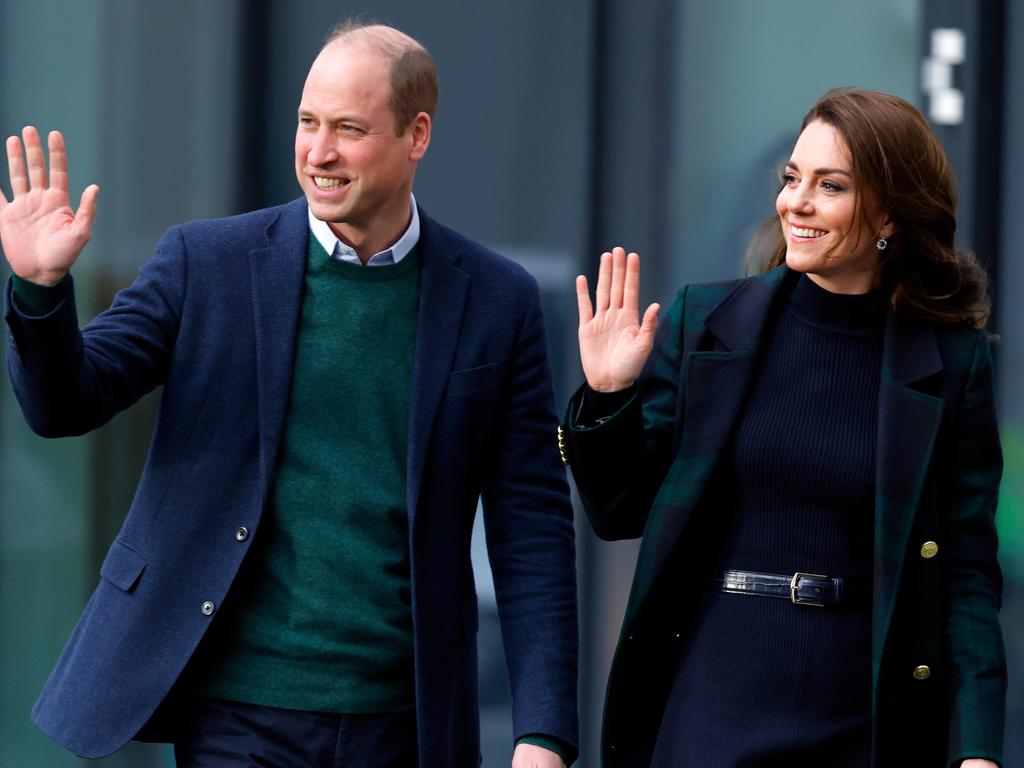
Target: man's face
<point>355,172</point>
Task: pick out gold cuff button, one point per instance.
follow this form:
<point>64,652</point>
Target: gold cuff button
<point>929,550</point>
<point>922,672</point>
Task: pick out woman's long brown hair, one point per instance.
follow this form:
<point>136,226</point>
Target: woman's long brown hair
<point>897,159</point>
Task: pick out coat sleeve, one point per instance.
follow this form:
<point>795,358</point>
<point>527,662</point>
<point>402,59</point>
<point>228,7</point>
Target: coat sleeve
<point>973,582</point>
<point>530,543</point>
<point>69,381</point>
<point>620,463</point>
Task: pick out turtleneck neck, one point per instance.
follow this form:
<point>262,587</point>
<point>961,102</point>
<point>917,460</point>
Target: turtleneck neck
<point>838,311</point>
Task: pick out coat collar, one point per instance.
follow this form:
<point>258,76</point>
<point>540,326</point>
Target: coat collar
<point>277,270</point>
<point>444,289</point>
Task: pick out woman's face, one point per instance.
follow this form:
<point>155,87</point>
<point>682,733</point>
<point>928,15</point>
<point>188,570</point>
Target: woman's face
<point>825,238</point>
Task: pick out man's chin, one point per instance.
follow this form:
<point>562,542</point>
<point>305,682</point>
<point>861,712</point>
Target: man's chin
<point>325,212</point>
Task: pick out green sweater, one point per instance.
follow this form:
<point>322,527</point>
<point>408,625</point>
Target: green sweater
<point>321,617</point>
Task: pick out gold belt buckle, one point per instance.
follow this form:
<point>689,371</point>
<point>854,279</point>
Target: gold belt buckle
<point>794,585</point>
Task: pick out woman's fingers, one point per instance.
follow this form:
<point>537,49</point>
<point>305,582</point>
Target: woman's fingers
<point>650,323</point>
<point>36,159</point>
<point>604,282</point>
<point>586,308</point>
<point>618,277</point>
<point>631,289</point>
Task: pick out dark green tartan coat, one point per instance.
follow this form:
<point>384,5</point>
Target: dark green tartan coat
<point>647,471</point>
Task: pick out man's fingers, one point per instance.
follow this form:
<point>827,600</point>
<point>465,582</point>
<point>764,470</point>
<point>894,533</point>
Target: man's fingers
<point>16,166</point>
<point>36,159</point>
<point>3,200</point>
<point>58,161</point>
<point>618,276</point>
<point>586,308</point>
<point>604,282</point>
<point>86,211</point>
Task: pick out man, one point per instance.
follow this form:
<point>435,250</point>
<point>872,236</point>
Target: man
<point>343,377</point>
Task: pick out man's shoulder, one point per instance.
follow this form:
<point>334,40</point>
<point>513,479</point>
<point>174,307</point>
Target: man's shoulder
<point>472,257</point>
<point>254,225</point>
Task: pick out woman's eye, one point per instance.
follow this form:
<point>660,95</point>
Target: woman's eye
<point>831,186</point>
<point>788,178</point>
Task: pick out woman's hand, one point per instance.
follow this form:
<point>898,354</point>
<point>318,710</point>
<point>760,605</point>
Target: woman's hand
<point>977,762</point>
<point>41,235</point>
<point>614,345</point>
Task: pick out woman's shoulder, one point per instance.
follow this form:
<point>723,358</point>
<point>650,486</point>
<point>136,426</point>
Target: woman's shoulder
<point>697,300</point>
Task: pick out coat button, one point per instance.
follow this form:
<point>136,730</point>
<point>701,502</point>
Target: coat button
<point>242,533</point>
<point>922,672</point>
<point>929,549</point>
<point>207,608</point>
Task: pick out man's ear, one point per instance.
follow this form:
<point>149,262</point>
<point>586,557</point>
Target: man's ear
<point>419,130</point>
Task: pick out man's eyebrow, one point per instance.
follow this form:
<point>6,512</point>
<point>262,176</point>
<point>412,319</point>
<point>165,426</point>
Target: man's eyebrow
<point>821,171</point>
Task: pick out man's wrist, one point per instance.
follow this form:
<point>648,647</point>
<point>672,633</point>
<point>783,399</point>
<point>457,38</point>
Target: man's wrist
<point>36,300</point>
<point>557,746</point>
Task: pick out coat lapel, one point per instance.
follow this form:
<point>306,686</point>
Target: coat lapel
<point>717,376</point>
<point>277,281</point>
<point>908,422</point>
<point>444,289</point>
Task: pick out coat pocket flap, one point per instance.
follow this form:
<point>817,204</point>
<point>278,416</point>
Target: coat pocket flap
<point>123,566</point>
<point>471,379</point>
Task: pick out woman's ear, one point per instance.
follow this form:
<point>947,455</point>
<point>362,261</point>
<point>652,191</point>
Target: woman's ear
<point>888,229</point>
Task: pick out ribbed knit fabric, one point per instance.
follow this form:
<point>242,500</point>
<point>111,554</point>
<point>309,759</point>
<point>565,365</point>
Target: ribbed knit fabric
<point>320,617</point>
<point>763,680</point>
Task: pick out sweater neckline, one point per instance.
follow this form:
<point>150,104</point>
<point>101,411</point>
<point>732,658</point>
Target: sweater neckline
<point>838,311</point>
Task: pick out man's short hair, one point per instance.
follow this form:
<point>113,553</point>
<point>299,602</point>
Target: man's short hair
<point>412,75</point>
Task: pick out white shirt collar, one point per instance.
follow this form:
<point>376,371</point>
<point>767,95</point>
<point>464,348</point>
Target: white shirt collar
<point>339,250</point>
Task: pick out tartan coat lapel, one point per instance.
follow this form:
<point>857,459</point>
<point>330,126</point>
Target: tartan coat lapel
<point>908,424</point>
<point>719,360</point>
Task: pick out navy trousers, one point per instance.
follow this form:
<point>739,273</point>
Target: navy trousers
<point>231,734</point>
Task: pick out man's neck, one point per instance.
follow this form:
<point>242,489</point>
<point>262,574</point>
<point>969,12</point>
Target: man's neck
<point>377,237</point>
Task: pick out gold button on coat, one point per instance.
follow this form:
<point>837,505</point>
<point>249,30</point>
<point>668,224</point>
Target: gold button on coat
<point>922,672</point>
<point>929,549</point>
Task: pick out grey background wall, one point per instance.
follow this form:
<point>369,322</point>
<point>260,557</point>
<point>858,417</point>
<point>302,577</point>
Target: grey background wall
<point>563,128</point>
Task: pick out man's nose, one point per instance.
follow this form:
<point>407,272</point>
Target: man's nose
<point>322,151</point>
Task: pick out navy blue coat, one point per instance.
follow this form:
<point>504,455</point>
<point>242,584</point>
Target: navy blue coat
<point>213,318</point>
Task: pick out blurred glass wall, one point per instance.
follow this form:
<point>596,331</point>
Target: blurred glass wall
<point>563,128</point>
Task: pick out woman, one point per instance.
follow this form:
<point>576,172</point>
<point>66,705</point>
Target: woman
<point>823,433</point>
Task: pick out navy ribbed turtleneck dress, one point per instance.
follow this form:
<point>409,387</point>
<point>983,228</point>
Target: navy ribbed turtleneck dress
<point>762,681</point>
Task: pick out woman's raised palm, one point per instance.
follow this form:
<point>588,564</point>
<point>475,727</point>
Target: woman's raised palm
<point>614,344</point>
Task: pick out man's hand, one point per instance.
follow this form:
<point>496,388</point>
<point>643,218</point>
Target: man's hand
<point>614,345</point>
<point>41,236</point>
<point>531,756</point>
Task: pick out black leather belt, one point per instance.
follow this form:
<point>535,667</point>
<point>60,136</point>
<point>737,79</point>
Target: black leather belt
<point>799,588</point>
